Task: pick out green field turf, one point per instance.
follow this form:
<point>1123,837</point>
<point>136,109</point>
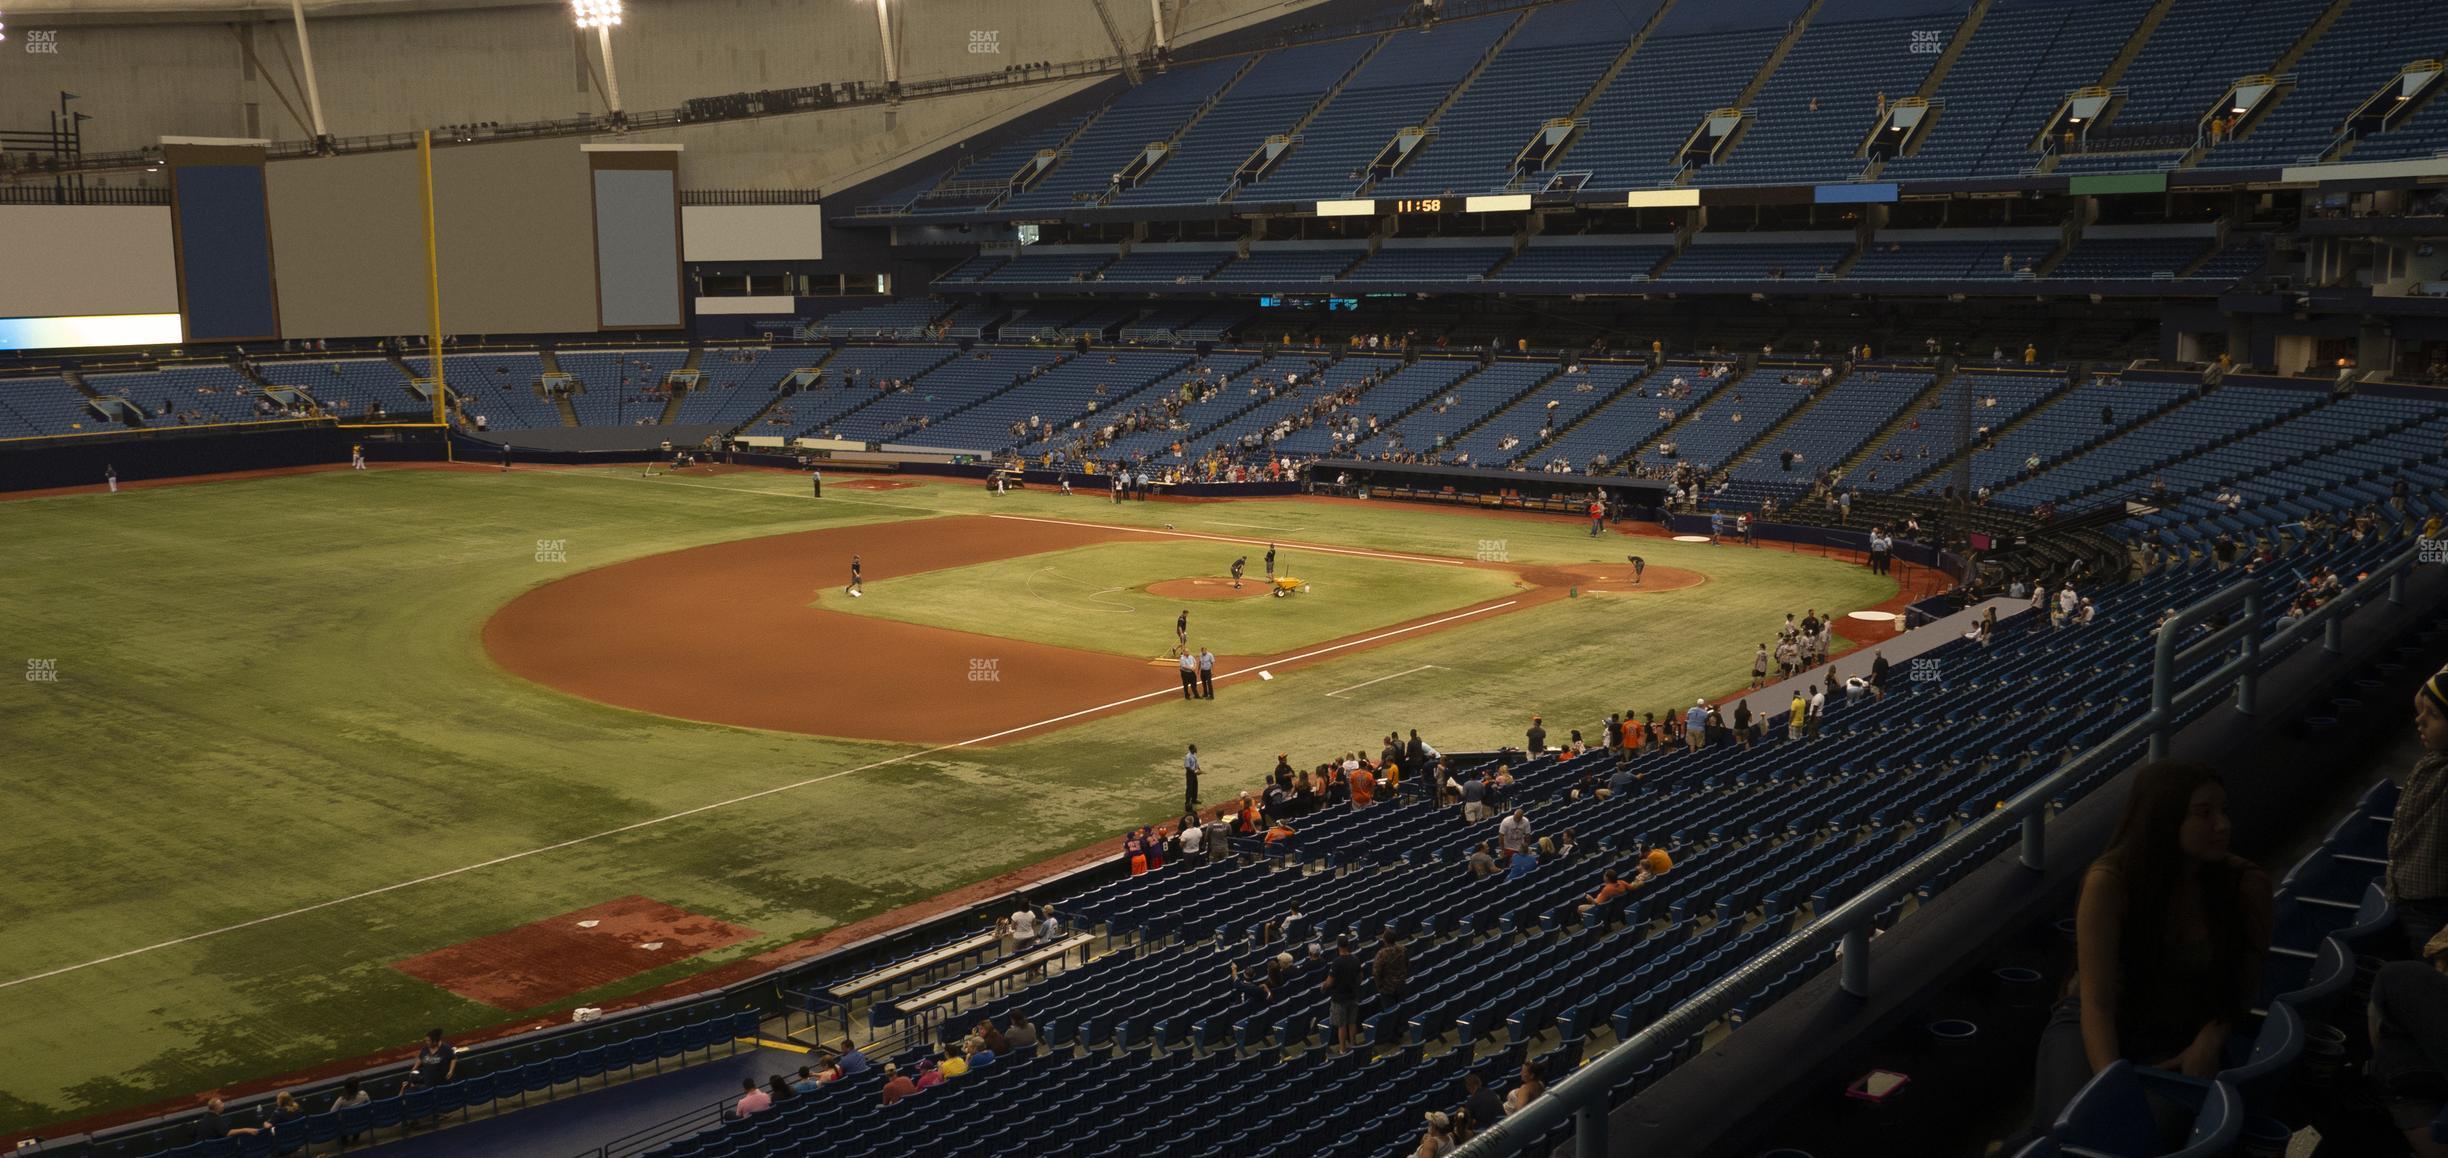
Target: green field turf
<point>1095,597</point>
<point>273,720</point>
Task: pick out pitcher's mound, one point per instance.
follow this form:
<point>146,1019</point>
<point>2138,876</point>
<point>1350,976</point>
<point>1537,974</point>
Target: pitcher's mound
<point>1217,588</point>
<point>876,484</point>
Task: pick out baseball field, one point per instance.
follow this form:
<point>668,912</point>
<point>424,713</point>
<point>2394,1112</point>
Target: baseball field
<point>294,758</point>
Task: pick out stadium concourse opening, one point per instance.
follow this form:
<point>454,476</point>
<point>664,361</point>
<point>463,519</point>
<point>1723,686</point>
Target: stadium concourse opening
<point>636,634</point>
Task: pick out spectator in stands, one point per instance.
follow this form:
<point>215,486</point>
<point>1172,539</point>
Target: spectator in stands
<point>2417,877</point>
<point>1513,833</point>
<point>951,1063</point>
<point>896,1086</point>
<point>1655,863</point>
<point>1021,1037</point>
<point>214,1124</point>
<point>1481,1104</point>
<point>1437,1138</point>
<point>436,1061</point>
<point>1342,986</point>
<point>778,1090</point>
<point>1610,887</point>
<point>1391,967</point>
<point>351,1096</point>
<point>753,1099</point>
<point>1521,864</point>
<point>808,1082</point>
<point>2409,1035</point>
<point>1695,725</point>
<point>2169,936</point>
<point>1536,737</point>
<point>1482,862</point>
<point>1528,1091</point>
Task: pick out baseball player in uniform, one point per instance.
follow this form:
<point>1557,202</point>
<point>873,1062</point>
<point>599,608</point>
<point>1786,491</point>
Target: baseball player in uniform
<point>357,456</point>
<point>857,584</point>
<point>1638,565</point>
<point>1270,561</point>
<point>816,479</point>
<point>1238,564</point>
<point>1181,628</point>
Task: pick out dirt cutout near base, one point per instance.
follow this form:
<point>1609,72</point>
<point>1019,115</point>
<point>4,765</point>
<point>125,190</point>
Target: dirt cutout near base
<point>1206,588</point>
<point>557,957</point>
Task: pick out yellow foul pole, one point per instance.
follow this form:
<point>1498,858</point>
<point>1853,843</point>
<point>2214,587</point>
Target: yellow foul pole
<point>433,280</point>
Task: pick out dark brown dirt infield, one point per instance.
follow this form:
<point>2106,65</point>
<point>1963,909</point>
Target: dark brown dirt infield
<point>877,484</point>
<point>724,633</point>
<point>1220,587</point>
<point>557,957</point>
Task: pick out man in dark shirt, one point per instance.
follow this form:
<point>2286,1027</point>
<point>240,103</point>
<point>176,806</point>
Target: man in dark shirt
<point>1537,736</point>
<point>1342,986</point>
<point>1480,1102</point>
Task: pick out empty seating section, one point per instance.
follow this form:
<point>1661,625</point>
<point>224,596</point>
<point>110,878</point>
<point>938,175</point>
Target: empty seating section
<point>1562,259</point>
<point>1755,833</point>
<point>985,178</point>
<point>1290,265</point>
<point>905,416</point>
<point>2238,260</point>
<point>1741,412</point>
<point>1164,265</point>
<point>1636,127</point>
<point>1843,418</point>
<point>2067,425</point>
<point>974,268</point>
<point>1810,120</point>
<point>729,393</point>
<point>1791,261</point>
<point>1555,405</point>
<point>1041,266</point>
<point>1463,404</point>
<point>852,377</point>
<point>192,394</point>
<point>1542,72</point>
<point>2200,48</point>
<point>1187,321</point>
<point>1418,263</point>
<point>1278,91</point>
<point>1617,429</point>
<point>501,387</point>
<point>2128,258</point>
<point>1397,88</point>
<point>1154,111</point>
<point>2023,60</point>
<point>616,384</point>
<point>2107,468</point>
<point>902,319</point>
<point>2420,135</point>
<point>45,405</point>
<point>972,321</point>
<point>2359,54</point>
<point>1947,260</point>
<point>1994,398</point>
<point>351,387</point>
<point>2323,452</point>
<point>1056,397</point>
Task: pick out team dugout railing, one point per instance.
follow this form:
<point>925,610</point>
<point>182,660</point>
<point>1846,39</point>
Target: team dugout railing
<point>2230,618</point>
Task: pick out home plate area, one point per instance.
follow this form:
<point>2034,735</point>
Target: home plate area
<point>558,957</point>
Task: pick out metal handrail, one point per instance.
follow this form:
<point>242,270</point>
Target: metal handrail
<point>1583,1094</point>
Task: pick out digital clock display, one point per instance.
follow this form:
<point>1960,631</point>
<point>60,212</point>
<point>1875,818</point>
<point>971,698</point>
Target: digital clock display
<point>1420,205</point>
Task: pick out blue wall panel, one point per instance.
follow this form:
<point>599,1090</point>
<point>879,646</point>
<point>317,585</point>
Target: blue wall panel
<point>225,253</point>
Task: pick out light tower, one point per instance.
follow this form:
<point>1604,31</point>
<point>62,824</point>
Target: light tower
<point>601,15</point>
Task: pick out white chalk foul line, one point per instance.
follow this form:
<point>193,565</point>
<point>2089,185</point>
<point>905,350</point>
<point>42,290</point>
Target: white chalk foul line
<point>1381,679</point>
<point>703,808</point>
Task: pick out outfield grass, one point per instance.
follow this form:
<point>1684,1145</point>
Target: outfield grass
<point>1095,597</point>
<point>271,696</point>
